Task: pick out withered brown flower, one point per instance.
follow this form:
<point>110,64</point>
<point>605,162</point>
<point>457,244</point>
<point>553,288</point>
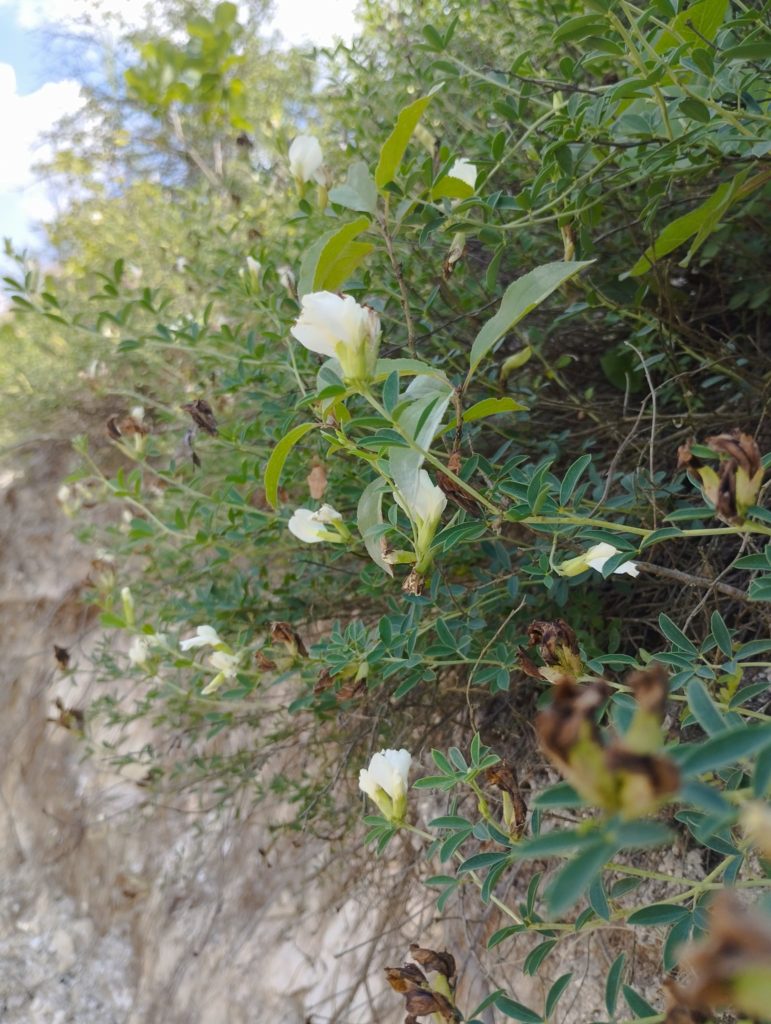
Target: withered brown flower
<point>202,415</point>
<point>650,687</point>
<point>623,776</point>
<point>282,632</point>
<point>734,486</point>
<point>421,1002</point>
<point>406,978</point>
<point>443,963</point>
<point>728,967</point>
<point>558,646</point>
<point>504,776</point>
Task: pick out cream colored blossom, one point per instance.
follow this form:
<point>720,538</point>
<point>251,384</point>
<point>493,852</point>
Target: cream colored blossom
<point>226,666</point>
<point>386,781</point>
<point>336,326</point>
<point>204,636</point>
<point>139,651</point>
<point>425,510</point>
<point>595,558</point>
<point>313,527</point>
<point>305,157</point>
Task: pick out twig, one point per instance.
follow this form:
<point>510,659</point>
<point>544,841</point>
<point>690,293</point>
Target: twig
<point>692,581</point>
<point>396,266</point>
<point>652,390</point>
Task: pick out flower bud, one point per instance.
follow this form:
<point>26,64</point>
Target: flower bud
<point>305,157</point>
<point>385,782</point>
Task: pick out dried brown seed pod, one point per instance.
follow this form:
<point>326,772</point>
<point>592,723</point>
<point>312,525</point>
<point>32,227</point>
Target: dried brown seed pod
<point>62,655</point>
<point>201,413</point>
<point>405,979</point>
<point>504,776</point>
<point>726,966</point>
<point>558,646</point>
<point>442,963</point>
<point>650,687</point>
<point>282,632</point>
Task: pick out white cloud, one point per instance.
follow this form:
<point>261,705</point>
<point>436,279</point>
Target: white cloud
<point>24,118</point>
<point>298,21</point>
<point>314,21</point>
<point>34,13</point>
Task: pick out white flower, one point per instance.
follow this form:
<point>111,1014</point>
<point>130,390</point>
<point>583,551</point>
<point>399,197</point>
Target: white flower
<point>251,274</point>
<point>225,663</point>
<point>127,599</point>
<point>311,526</point>
<point>226,666</point>
<point>429,502</point>
<point>139,651</point>
<point>305,157</point>
<point>204,635</point>
<point>386,780</point>
<point>336,326</point>
<point>595,558</point>
<point>138,413</point>
<point>425,510</point>
<point>464,171</point>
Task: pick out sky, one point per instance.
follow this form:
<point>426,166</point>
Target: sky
<point>35,93</point>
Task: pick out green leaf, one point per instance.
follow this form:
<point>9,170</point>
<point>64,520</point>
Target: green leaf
<point>492,407</point>
<point>504,933</point>
<point>679,933</point>
<point>480,861</point>
<point>392,153</point>
<point>391,392</point>
<point>452,188</point>
<point>369,520</point>
<point>551,844</point>
<point>726,748</point>
<point>657,913</point>
<point>700,222</point>
<point>359,191</point>
<point>516,1011</point>
<point>638,1006</point>
<point>555,992</point>
<point>697,23</point>
<point>279,456</point>
<point>522,296</point>
<point>659,535</point>
<point>571,478</point>
<point>580,28</point>
<point>598,900</point>
<point>703,710</point>
<point>756,50</point>
<point>433,38</point>
<point>333,257</point>
<point>761,779</point>
<point>760,589</point>
<point>574,879</point>
<point>675,635</point>
<point>639,834</point>
<point>449,821</point>
<point>721,634</point>
<point>536,956</point>
<point>407,368</point>
<point>613,983</point>
<point>561,794</point>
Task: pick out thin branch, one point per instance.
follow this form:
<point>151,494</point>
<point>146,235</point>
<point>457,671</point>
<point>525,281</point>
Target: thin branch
<point>692,581</point>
